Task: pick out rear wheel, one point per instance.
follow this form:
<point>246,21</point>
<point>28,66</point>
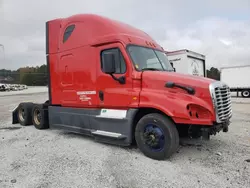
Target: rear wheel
<point>245,93</point>
<point>24,113</point>
<point>40,117</point>
<point>156,136</point>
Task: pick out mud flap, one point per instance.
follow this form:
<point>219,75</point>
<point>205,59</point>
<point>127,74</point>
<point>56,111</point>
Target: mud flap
<point>14,115</point>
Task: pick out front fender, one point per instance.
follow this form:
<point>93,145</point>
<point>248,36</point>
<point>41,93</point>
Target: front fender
<point>178,106</point>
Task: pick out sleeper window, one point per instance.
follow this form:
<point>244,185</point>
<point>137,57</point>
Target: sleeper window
<point>68,32</point>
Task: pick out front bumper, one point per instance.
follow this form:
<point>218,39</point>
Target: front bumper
<point>219,127</point>
<point>214,129</point>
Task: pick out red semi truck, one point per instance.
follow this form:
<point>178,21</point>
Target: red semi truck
<point>112,81</point>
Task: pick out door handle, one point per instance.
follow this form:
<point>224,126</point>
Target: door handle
<point>66,68</point>
<point>101,95</point>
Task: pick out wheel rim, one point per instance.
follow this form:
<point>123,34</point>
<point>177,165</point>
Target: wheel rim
<point>153,137</point>
<point>37,116</point>
<point>245,93</point>
<point>21,114</point>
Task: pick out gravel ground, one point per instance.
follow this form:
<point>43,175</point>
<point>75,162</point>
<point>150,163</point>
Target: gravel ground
<point>30,158</point>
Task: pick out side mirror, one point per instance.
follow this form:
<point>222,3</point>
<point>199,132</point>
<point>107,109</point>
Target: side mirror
<point>109,63</point>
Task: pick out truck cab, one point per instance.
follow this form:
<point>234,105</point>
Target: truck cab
<point>112,81</point>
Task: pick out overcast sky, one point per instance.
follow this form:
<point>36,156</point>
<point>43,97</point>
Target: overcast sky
<point>219,29</point>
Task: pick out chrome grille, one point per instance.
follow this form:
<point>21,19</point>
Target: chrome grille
<point>222,101</point>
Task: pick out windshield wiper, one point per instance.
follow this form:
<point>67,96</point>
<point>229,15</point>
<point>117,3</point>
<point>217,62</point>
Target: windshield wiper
<point>152,69</point>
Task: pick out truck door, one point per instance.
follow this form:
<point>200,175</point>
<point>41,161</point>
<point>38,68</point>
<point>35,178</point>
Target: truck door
<point>111,93</point>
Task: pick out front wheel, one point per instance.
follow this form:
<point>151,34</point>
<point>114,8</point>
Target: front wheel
<point>156,136</point>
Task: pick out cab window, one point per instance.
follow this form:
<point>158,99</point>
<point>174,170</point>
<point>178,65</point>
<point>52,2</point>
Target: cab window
<point>120,63</point>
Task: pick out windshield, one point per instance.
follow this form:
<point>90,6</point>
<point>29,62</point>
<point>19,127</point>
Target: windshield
<point>149,59</point>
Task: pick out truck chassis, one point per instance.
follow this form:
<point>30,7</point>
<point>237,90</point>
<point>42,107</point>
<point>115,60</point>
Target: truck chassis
<point>122,130</point>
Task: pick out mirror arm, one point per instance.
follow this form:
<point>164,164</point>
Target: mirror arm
<point>121,79</point>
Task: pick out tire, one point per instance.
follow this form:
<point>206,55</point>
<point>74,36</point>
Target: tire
<point>245,93</point>
<point>40,117</point>
<point>24,113</point>
<point>157,125</point>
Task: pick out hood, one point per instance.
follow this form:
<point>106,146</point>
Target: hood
<point>157,80</point>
